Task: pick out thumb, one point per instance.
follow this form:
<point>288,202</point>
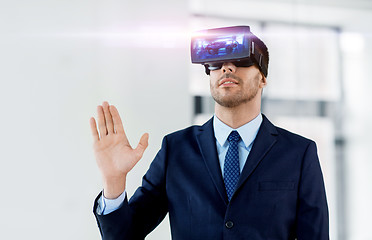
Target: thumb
<point>142,145</point>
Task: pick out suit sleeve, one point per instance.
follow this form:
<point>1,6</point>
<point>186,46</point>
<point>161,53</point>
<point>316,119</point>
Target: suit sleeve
<point>144,211</point>
<point>312,214</point>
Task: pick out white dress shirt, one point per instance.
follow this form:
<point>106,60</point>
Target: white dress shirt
<point>247,133</point>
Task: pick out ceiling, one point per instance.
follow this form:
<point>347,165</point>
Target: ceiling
<point>356,4</point>
<point>348,15</point>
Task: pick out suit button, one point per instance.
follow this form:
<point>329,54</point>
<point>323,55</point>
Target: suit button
<point>229,224</point>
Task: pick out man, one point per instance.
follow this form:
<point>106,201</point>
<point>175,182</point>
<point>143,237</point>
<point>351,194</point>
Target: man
<point>236,177</point>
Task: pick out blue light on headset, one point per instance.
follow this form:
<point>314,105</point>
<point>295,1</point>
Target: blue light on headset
<point>220,47</point>
<point>211,47</point>
<point>220,44</point>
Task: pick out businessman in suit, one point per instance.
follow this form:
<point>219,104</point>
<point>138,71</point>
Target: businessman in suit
<point>236,177</point>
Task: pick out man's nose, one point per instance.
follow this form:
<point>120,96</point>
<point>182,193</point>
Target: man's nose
<point>228,67</point>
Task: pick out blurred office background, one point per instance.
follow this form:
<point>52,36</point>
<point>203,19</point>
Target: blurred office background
<point>60,59</point>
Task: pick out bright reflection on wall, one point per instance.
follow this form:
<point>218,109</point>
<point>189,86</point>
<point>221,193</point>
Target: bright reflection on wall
<point>304,62</point>
<point>146,36</point>
<point>351,42</point>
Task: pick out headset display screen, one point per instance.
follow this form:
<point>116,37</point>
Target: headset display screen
<point>219,46</point>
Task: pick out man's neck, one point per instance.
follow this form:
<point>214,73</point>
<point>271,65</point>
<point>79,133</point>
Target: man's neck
<point>238,116</point>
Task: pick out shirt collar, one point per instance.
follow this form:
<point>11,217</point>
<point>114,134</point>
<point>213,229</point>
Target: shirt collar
<point>247,132</point>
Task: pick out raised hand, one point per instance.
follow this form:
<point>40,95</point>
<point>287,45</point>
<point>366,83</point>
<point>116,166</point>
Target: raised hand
<point>114,155</point>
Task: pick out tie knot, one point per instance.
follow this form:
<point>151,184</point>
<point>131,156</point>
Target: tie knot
<point>234,137</point>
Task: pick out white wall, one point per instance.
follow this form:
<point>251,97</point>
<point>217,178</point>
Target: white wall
<point>358,118</point>
<point>58,61</point>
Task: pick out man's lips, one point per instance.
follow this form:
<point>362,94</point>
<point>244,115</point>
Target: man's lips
<point>228,82</point>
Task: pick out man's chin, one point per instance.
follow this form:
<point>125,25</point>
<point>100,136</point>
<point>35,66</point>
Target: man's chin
<point>229,103</point>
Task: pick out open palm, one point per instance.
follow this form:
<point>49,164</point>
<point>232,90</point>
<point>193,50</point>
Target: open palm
<point>114,155</point>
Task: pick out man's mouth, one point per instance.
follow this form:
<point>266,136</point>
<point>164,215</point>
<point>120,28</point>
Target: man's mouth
<point>228,82</point>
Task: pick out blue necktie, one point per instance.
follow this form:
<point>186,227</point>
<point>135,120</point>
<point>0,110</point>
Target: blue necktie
<point>231,169</point>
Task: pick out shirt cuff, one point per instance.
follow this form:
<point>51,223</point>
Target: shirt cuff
<point>106,206</point>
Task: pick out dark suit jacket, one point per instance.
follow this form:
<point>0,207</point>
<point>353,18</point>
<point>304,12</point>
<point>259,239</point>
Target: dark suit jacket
<point>280,194</point>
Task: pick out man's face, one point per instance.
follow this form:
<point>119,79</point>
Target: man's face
<point>232,86</point>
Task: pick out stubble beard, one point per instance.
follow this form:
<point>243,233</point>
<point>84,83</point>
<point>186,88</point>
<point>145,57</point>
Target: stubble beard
<point>231,100</point>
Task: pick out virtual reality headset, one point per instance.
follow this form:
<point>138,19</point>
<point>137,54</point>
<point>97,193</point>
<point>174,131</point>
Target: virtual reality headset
<point>238,45</point>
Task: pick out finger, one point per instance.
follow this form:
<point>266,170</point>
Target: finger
<point>108,118</point>
<point>118,124</point>
<point>101,122</point>
<point>93,128</point>
<point>142,145</point>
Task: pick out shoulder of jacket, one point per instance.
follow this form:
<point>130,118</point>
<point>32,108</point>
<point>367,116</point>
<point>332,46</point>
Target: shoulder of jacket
<point>191,130</point>
<point>293,138</point>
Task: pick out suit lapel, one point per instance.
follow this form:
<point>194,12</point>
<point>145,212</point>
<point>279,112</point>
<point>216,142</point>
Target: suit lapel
<point>265,139</point>
<point>207,144</point>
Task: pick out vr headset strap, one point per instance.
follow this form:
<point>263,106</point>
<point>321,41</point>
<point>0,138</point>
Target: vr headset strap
<point>259,58</point>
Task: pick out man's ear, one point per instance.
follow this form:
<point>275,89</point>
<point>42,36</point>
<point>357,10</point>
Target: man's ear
<point>263,81</point>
